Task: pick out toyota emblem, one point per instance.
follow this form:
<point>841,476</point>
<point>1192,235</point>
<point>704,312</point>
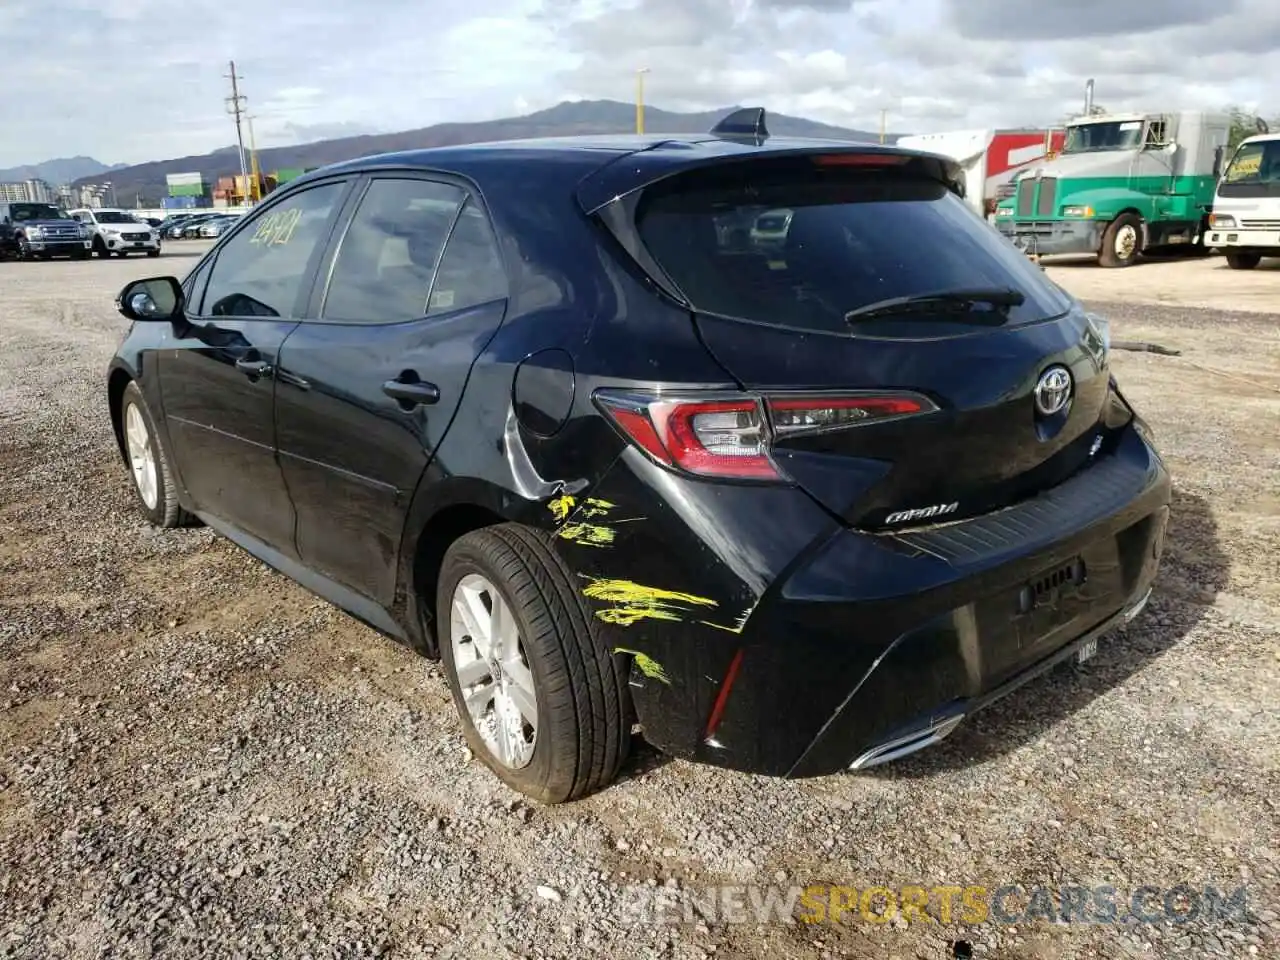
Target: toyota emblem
<point>1053,391</point>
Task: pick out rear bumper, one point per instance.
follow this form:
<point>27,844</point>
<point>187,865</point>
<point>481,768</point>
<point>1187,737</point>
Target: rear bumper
<point>875,646</point>
<point>1049,237</point>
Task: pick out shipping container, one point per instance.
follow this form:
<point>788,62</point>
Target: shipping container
<point>185,179</point>
<point>286,174</point>
<point>179,203</point>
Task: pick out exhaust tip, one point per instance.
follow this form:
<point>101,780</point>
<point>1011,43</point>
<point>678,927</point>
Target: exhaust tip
<point>901,747</point>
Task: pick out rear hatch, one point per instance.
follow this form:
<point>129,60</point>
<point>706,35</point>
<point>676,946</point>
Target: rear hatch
<point>900,343</point>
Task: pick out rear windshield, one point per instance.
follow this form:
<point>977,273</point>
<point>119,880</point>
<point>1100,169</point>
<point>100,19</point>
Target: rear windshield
<point>853,238</point>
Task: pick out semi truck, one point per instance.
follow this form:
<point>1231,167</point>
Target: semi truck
<point>990,158</point>
<point>1122,184</point>
<point>1245,223</point>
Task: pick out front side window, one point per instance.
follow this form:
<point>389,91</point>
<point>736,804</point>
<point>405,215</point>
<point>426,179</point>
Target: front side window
<point>390,251</point>
<point>850,240</point>
<point>259,273</point>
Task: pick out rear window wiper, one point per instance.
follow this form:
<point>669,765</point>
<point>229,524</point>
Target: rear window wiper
<point>1000,299</point>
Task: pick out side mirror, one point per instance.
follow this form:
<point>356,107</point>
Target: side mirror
<point>159,298</point>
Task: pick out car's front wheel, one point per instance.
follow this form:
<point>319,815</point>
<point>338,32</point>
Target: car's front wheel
<point>542,702</point>
<point>149,467</point>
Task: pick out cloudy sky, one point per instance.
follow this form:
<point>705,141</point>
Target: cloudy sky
<point>135,80</point>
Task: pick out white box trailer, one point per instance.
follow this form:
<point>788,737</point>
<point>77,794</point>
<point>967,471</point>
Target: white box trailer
<point>991,158</point>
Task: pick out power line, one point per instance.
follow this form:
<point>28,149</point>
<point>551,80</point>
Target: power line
<point>235,107</point>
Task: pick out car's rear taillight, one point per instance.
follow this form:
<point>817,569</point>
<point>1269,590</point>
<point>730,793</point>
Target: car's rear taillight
<point>730,435</point>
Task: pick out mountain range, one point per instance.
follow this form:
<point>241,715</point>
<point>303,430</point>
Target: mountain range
<point>146,181</point>
<point>62,170</point>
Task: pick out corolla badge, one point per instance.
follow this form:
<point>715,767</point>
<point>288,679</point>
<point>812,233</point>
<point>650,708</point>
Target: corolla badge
<point>1053,391</point>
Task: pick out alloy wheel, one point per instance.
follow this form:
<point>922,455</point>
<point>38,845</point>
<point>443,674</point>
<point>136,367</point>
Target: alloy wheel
<point>142,463</point>
<point>493,671</point>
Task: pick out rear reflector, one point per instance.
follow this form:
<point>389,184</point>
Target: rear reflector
<point>730,435</point>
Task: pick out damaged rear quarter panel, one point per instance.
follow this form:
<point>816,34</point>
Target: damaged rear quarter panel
<point>672,570</point>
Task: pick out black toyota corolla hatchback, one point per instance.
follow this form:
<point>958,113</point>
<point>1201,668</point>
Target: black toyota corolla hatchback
<point>558,412</point>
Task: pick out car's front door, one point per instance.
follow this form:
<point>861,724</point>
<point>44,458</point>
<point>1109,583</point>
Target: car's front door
<point>374,375</point>
<point>218,371</point>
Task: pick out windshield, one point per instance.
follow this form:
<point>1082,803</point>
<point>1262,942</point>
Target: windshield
<point>852,239</point>
<point>1112,135</point>
<point>36,211</point>
<point>1254,171</point>
<point>111,216</point>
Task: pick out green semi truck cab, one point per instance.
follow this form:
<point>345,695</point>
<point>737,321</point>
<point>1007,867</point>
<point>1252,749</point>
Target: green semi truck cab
<point>1122,184</point>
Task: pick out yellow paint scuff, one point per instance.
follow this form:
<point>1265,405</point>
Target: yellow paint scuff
<point>587,534</point>
<point>633,602</point>
<point>561,507</point>
<point>594,507</point>
<point>650,667</point>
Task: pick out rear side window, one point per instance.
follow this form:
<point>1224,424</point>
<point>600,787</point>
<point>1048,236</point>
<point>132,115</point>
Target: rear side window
<point>800,246</point>
<point>471,270</point>
<point>390,252</point>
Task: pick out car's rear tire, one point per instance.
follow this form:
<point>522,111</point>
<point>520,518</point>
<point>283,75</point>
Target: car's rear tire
<point>1243,261</point>
<point>149,467</point>
<point>507,583</point>
<point>1122,241</point>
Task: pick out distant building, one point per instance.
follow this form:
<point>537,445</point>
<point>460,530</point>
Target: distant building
<point>28,191</point>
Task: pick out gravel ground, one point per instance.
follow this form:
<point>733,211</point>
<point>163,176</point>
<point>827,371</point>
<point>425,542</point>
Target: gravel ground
<point>198,758</point>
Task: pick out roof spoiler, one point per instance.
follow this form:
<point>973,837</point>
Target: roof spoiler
<point>747,122</point>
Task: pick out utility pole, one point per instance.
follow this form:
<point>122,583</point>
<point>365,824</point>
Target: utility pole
<point>640,99</point>
<point>883,117</point>
<point>256,189</point>
<point>235,107</point>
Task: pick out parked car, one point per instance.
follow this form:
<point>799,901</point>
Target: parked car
<point>179,227</point>
<point>521,406</point>
<point>169,222</point>
<point>215,226</point>
<point>191,229</point>
<point>118,232</point>
<point>31,231</point>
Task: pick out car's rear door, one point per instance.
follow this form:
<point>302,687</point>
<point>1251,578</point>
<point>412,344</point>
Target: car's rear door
<point>218,370</point>
<point>411,293</point>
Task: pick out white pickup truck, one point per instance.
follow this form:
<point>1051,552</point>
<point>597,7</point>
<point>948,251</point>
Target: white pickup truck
<point>118,232</point>
<point>1245,223</point>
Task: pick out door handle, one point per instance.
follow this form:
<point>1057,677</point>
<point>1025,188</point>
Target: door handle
<point>411,393</point>
<point>254,368</point>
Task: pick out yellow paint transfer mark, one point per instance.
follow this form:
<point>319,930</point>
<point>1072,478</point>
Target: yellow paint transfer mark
<point>587,534</point>
<point>594,507</point>
<point>650,667</point>
<point>561,507</point>
<point>633,602</point>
